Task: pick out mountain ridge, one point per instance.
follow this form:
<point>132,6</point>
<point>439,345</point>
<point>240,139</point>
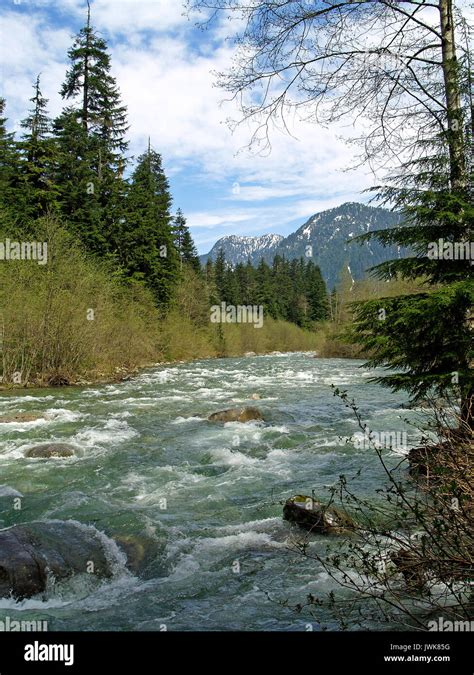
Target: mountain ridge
<point>324,238</point>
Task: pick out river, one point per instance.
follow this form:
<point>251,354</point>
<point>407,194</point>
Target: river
<point>205,498</point>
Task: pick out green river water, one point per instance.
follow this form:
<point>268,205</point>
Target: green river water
<point>206,495</point>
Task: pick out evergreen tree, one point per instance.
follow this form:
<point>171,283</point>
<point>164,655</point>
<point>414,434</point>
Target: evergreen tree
<point>316,294</point>
<point>39,154</point>
<point>426,337</point>
<point>12,198</point>
<point>232,291</point>
<point>265,293</point>
<point>78,197</point>
<point>103,122</point>
<point>219,276</point>
<point>282,287</point>
<point>184,243</point>
<point>146,245</point>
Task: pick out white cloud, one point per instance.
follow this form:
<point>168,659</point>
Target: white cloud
<point>126,16</point>
<point>168,86</point>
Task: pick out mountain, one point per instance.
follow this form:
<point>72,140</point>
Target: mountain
<point>240,249</point>
<point>325,238</point>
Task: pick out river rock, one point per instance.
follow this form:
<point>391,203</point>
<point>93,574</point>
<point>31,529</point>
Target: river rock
<point>21,418</point>
<point>48,450</point>
<point>30,554</point>
<point>237,415</point>
<point>59,380</point>
<point>141,551</point>
<point>313,516</point>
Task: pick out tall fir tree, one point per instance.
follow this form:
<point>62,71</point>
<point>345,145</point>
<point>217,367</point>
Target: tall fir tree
<point>78,197</point>
<point>101,125</point>
<point>39,154</point>
<point>184,243</point>
<point>426,338</point>
<point>220,276</point>
<point>316,293</point>
<point>12,197</point>
<point>146,246</point>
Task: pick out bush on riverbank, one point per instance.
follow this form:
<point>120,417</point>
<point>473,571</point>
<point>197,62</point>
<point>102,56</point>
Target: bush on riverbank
<point>76,317</point>
<point>71,316</point>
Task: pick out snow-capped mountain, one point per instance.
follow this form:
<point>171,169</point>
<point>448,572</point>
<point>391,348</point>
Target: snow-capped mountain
<point>240,249</point>
<point>324,238</point>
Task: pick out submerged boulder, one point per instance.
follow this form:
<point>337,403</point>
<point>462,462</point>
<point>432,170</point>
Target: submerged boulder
<point>30,554</point>
<point>311,515</point>
<point>48,450</point>
<point>237,415</point>
<point>141,551</point>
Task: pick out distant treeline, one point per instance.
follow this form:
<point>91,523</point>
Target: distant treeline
<point>293,291</point>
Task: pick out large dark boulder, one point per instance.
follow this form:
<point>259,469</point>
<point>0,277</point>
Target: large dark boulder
<point>237,415</point>
<point>30,554</point>
<point>48,450</point>
<point>311,515</point>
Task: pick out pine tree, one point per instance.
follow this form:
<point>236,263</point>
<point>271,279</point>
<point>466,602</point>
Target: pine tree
<point>427,336</point>
<point>265,293</point>
<point>282,285</point>
<point>12,198</point>
<point>146,244</point>
<point>77,180</point>
<point>103,122</point>
<point>316,293</point>
<point>219,276</point>
<point>39,154</point>
<point>184,243</point>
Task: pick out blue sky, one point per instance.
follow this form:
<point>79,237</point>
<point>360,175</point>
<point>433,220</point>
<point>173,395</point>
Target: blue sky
<point>164,67</point>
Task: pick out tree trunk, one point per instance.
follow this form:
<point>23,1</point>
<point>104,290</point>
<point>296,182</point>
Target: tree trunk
<point>456,139</point>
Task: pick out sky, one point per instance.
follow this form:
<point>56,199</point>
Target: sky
<point>165,68</point>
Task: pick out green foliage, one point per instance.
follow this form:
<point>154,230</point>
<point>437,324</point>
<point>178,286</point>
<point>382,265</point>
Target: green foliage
<point>11,194</point>
<point>290,291</point>
<point>92,142</point>
<point>425,338</point>
<point>71,317</point>
<point>38,157</point>
<point>146,245</point>
<point>184,243</point>
<point>79,199</point>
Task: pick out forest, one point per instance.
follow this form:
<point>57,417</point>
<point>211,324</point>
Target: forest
<point>123,286</point>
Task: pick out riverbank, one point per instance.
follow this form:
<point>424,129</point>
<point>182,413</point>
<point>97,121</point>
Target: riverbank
<point>235,342</point>
<point>126,374</point>
<point>78,321</point>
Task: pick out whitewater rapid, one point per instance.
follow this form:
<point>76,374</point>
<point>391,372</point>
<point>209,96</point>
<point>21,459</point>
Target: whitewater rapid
<point>207,496</point>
